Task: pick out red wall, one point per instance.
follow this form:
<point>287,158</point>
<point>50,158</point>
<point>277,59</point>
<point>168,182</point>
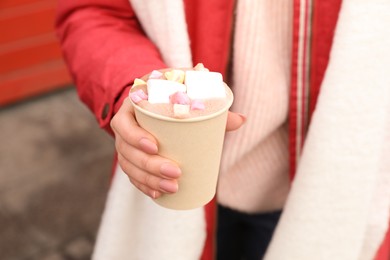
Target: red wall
<point>30,58</point>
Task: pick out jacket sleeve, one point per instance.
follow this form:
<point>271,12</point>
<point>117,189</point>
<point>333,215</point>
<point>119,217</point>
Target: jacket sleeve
<point>105,49</point>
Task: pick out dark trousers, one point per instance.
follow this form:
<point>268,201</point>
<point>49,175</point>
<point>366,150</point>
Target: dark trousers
<point>244,236</point>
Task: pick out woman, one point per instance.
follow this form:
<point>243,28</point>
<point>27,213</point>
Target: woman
<point>333,208</point>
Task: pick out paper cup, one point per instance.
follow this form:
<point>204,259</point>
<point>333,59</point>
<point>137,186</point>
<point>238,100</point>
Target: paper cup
<point>195,144</point>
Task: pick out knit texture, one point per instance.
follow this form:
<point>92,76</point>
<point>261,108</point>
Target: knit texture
<point>134,227</point>
<point>254,169</point>
<point>338,207</point>
<point>169,35</point>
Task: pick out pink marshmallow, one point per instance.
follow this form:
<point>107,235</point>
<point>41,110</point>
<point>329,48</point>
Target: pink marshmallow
<point>141,94</point>
<point>179,98</point>
<point>197,105</point>
<point>138,96</point>
<point>135,98</point>
<point>155,74</point>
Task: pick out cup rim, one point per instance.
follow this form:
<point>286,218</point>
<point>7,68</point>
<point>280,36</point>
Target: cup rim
<point>186,120</point>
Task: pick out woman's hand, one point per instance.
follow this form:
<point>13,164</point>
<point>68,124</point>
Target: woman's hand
<point>234,121</point>
<point>138,153</point>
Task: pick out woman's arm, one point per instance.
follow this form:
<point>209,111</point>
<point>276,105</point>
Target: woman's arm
<point>105,49</point>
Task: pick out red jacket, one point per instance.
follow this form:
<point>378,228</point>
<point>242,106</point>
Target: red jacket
<point>106,49</point>
<point>116,50</point>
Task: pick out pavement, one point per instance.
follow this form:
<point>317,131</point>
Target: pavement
<point>55,166</point>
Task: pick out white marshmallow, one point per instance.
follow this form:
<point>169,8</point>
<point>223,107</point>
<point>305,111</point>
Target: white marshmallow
<point>159,90</point>
<point>181,111</point>
<point>204,85</point>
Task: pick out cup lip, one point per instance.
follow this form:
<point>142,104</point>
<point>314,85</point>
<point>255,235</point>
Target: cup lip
<point>186,120</point>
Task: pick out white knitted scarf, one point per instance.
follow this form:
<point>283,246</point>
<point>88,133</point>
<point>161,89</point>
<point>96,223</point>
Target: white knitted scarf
<point>339,204</point>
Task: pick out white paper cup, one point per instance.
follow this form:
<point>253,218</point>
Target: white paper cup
<point>195,144</point>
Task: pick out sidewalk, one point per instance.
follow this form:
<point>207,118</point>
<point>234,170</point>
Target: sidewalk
<point>55,165</point>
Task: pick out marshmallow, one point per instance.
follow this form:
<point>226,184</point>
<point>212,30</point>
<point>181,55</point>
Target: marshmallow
<point>141,94</point>
<point>135,98</point>
<point>200,67</point>
<point>197,105</point>
<point>175,75</point>
<point>204,85</point>
<point>179,98</point>
<point>159,90</point>
<point>138,82</point>
<point>181,111</point>
<point>138,96</point>
<point>155,74</point>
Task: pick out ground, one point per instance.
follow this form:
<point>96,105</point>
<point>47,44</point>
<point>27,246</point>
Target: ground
<point>55,166</point>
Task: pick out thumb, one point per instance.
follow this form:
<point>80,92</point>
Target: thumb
<point>234,121</point>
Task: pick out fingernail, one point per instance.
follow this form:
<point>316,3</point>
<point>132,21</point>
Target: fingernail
<point>170,171</point>
<point>168,186</point>
<point>148,146</point>
<point>155,194</point>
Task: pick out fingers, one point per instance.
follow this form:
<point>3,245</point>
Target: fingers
<point>149,184</point>
<point>137,155</point>
<point>152,164</point>
<point>125,125</point>
<point>234,121</point>
<point>146,190</point>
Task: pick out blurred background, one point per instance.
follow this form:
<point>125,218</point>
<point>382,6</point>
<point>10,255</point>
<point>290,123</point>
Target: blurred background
<point>55,162</point>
